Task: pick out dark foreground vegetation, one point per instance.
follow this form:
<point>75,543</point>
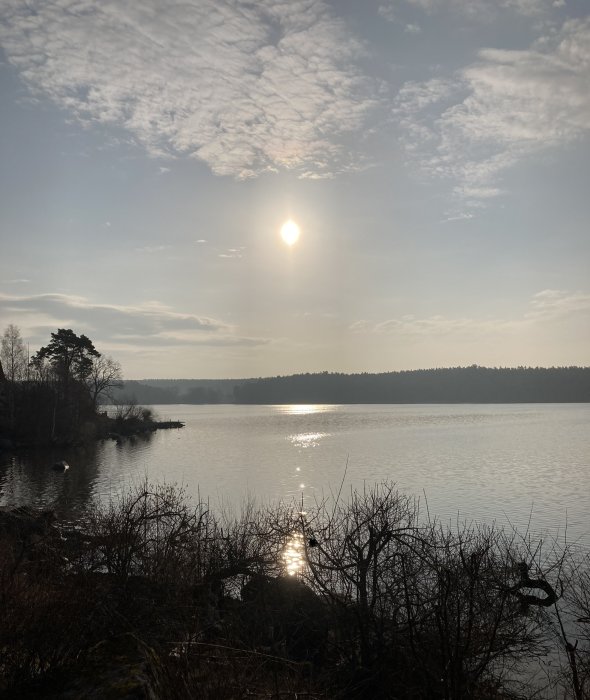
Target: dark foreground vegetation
<point>53,398</point>
<point>151,597</point>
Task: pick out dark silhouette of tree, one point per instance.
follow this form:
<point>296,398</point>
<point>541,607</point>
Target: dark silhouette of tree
<point>105,375</point>
<point>71,356</point>
<point>13,354</point>
<point>4,401</point>
<point>57,404</point>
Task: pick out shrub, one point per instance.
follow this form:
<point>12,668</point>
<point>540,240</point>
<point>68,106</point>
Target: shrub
<point>385,605</point>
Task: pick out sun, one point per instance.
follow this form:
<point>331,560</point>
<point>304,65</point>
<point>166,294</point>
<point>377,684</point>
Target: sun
<point>290,232</point>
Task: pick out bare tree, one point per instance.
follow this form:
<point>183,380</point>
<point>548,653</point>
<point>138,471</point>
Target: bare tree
<point>104,376</point>
<point>13,354</point>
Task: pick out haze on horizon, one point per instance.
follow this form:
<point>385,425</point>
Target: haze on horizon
<point>433,153</point>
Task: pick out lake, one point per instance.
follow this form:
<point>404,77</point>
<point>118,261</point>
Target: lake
<point>505,463</point>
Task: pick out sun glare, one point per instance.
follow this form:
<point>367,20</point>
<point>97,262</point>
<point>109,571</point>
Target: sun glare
<point>290,232</point>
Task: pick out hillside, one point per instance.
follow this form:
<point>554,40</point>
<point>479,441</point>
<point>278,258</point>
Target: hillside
<point>472,384</point>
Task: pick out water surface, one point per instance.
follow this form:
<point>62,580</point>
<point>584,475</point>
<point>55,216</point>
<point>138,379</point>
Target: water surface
<point>504,463</point>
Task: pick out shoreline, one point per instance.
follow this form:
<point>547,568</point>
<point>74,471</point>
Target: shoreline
<point>106,432</point>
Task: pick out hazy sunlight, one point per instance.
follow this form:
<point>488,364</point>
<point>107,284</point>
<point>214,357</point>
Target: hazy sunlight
<point>290,232</point>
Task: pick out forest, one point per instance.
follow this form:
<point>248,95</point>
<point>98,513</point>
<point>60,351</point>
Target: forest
<point>450,385</point>
<point>446,385</point>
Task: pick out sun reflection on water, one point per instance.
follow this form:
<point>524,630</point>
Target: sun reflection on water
<point>293,554</point>
<point>296,409</point>
<point>305,440</point>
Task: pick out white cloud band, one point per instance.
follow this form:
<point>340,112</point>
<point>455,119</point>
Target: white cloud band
<point>147,325</point>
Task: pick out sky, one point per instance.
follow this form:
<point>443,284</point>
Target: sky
<point>434,153</point>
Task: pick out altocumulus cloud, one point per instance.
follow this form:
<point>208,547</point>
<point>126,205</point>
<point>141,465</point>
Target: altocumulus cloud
<point>488,7</point>
<point>556,303</point>
<point>147,325</point>
<point>505,107</point>
<point>246,87</point>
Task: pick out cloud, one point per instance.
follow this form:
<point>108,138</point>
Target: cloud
<point>125,328</point>
<point>19,280</point>
<point>441,325</point>
<point>413,97</point>
<point>528,7</point>
<point>554,304</point>
<point>486,8</point>
<point>120,329</point>
<point>387,12</point>
<point>458,216</point>
<point>361,326</point>
<point>233,253</point>
<point>146,319</point>
<point>545,306</point>
<point>507,106</point>
<point>424,4</point>
<point>244,87</point>
<point>412,29</point>
<point>180,341</point>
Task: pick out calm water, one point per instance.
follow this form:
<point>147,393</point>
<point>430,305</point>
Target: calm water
<point>506,463</point>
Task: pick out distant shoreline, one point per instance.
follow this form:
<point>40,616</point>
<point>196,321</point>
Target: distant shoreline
<point>454,385</point>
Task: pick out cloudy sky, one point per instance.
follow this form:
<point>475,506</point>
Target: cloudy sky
<point>435,154</point>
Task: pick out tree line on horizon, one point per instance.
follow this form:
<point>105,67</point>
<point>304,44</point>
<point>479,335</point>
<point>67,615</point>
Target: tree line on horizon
<point>472,384</point>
